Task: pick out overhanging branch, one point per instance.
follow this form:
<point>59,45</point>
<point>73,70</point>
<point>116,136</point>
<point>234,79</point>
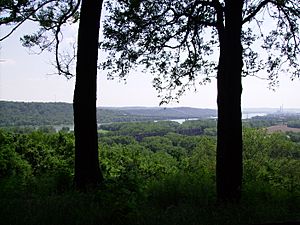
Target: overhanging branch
<point>26,18</point>
<point>254,13</point>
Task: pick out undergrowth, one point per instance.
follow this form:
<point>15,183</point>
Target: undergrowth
<point>177,199</point>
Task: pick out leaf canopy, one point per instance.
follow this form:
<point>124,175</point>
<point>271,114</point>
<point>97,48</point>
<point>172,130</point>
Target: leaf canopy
<point>51,16</point>
<point>178,41</point>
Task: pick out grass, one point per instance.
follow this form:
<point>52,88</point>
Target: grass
<point>178,199</point>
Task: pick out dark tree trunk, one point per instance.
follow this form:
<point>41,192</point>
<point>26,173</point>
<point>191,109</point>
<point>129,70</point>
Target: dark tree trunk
<point>229,145</point>
<point>87,168</point>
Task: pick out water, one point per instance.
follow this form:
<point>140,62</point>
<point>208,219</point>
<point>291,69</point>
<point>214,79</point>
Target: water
<point>183,120</point>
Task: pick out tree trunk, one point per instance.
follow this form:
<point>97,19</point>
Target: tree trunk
<point>229,144</point>
<point>87,168</point>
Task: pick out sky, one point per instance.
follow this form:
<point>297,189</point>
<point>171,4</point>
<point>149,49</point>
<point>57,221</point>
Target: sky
<point>28,77</point>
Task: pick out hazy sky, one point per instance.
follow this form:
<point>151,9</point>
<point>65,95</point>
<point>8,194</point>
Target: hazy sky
<point>27,77</point>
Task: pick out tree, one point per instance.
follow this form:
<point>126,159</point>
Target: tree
<point>51,16</point>
<point>87,169</point>
<point>178,41</point>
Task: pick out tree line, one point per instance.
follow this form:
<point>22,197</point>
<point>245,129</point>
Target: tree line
<point>146,129</point>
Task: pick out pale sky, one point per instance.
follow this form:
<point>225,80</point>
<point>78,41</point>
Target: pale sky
<point>27,77</point>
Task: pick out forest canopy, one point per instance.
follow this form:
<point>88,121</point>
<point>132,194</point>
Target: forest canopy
<point>164,175</point>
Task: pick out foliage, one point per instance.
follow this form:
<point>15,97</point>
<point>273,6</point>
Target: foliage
<point>271,158</point>
<point>272,119</point>
<point>166,179</point>
<point>261,122</point>
<point>294,123</point>
<point>146,129</point>
<point>11,163</point>
<point>141,129</point>
<point>25,114</point>
<point>36,153</point>
<point>295,137</point>
<point>51,17</point>
<point>178,41</point>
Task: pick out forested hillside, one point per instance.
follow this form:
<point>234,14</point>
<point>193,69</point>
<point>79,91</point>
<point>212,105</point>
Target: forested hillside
<point>152,172</point>
<point>33,113</point>
<point>167,113</point>
<point>21,113</point>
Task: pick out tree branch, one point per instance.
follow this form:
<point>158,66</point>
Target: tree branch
<point>220,15</point>
<point>62,20</point>
<point>26,18</point>
<point>254,13</point>
<point>13,30</point>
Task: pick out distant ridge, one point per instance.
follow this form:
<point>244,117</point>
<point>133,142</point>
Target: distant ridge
<point>271,110</point>
<point>57,113</point>
<point>167,113</point>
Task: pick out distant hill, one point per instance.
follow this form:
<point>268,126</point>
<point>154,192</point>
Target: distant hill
<point>21,113</point>
<point>36,113</point>
<point>271,110</point>
<point>167,113</point>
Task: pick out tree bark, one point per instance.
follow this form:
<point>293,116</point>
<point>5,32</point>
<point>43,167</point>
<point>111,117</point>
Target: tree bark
<point>87,168</point>
<point>229,145</point>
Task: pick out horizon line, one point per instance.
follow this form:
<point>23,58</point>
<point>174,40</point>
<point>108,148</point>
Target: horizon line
<point>280,107</point>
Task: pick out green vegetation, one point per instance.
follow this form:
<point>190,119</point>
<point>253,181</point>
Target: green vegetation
<point>24,114</point>
<point>33,114</point>
<point>154,34</point>
<point>145,129</point>
<point>155,179</point>
<point>41,114</point>
<point>294,123</point>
